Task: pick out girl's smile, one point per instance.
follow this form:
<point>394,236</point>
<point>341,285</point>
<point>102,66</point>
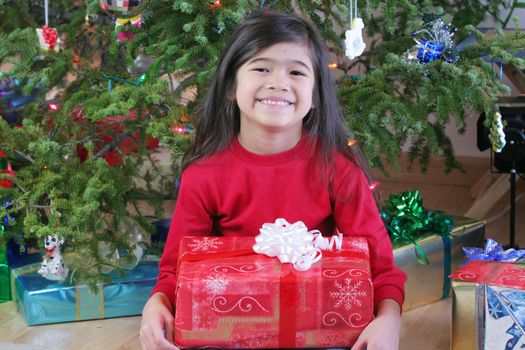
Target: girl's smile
<point>274,90</point>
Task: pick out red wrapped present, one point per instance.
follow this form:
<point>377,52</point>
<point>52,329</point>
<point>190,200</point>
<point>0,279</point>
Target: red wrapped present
<point>111,128</point>
<point>228,296</point>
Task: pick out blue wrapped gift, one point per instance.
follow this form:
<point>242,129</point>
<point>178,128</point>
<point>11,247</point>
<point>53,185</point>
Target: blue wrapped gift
<point>42,301</point>
<point>429,50</point>
<point>17,257</point>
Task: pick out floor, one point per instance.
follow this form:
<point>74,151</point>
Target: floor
<point>426,327</point>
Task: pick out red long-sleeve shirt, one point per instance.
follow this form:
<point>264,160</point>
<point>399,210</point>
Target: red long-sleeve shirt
<point>234,192</point>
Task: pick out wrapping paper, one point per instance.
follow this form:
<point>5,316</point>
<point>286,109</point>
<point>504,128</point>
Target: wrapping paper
<point>489,306</point>
<point>5,291</point>
<point>429,283</point>
<point>42,301</point>
<point>17,257</point>
<point>230,297</point>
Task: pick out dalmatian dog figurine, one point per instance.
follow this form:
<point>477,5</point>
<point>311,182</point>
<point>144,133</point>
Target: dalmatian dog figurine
<point>53,267</point>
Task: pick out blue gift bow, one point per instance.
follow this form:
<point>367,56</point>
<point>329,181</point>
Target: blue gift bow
<point>493,252</point>
<point>433,48</point>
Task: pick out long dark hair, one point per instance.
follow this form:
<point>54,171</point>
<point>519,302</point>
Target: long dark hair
<point>218,117</point>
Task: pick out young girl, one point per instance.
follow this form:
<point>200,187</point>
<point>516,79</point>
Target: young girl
<point>271,143</point>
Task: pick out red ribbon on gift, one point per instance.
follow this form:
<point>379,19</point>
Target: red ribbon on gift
<point>50,36</point>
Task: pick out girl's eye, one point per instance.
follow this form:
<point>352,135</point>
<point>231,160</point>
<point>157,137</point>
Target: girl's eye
<point>262,70</point>
<point>296,72</point>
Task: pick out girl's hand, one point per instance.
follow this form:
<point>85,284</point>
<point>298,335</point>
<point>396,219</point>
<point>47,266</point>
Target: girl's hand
<point>383,332</point>
<point>156,327</point>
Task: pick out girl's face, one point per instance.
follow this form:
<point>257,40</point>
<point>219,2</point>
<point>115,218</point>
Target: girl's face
<point>274,89</point>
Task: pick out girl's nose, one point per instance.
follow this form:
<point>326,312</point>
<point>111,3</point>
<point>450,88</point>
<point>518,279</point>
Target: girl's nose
<point>278,81</point>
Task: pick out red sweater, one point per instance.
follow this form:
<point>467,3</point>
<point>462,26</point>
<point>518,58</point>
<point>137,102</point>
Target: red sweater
<point>234,192</point>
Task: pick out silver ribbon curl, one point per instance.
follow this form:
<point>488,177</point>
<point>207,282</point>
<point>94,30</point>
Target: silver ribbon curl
<point>293,243</point>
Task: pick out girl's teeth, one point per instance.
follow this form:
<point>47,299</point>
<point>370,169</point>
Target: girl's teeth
<point>276,103</point>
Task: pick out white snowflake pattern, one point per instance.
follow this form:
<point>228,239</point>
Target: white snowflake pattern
<point>348,294</point>
<point>359,245</point>
<point>215,284</point>
<point>206,243</point>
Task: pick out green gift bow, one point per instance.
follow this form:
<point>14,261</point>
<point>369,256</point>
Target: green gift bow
<point>406,220</point>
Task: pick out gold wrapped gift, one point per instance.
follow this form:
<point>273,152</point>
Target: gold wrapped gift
<point>464,315</point>
<point>428,283</point>
<point>488,306</point>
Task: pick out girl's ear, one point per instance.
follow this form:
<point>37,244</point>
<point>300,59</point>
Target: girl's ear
<point>230,95</point>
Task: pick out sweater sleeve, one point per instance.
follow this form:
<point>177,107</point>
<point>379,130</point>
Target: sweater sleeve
<point>191,217</point>
<point>356,214</point>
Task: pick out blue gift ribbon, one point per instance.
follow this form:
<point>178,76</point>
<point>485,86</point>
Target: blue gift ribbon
<point>493,252</point>
<point>447,258</point>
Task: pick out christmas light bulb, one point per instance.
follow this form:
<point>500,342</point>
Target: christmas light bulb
<point>374,185</point>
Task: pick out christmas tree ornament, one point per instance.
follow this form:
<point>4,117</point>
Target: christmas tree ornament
<point>124,35</point>
<point>12,99</point>
<point>52,266</point>
<point>354,44</point>
<point>115,141</point>
<point>7,220</point>
<point>48,37</point>
<point>497,134</point>
<point>122,258</point>
<point>214,4</point>
<point>7,176</point>
<point>140,64</point>
<point>122,8</point>
<point>434,42</point>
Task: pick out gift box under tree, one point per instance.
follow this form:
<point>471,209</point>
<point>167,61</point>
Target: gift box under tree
<point>230,297</point>
<point>6,181</point>
<point>42,301</point>
<point>427,246</point>
<point>5,291</point>
<point>488,309</point>
<point>427,283</point>
<point>12,257</point>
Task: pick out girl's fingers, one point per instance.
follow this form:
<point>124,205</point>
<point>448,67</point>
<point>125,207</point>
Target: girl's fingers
<point>161,339</point>
<point>169,330</point>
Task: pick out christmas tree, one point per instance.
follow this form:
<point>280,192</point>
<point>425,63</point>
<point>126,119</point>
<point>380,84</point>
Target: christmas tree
<point>85,104</point>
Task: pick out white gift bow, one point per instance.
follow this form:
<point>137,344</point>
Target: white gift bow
<point>293,243</point>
